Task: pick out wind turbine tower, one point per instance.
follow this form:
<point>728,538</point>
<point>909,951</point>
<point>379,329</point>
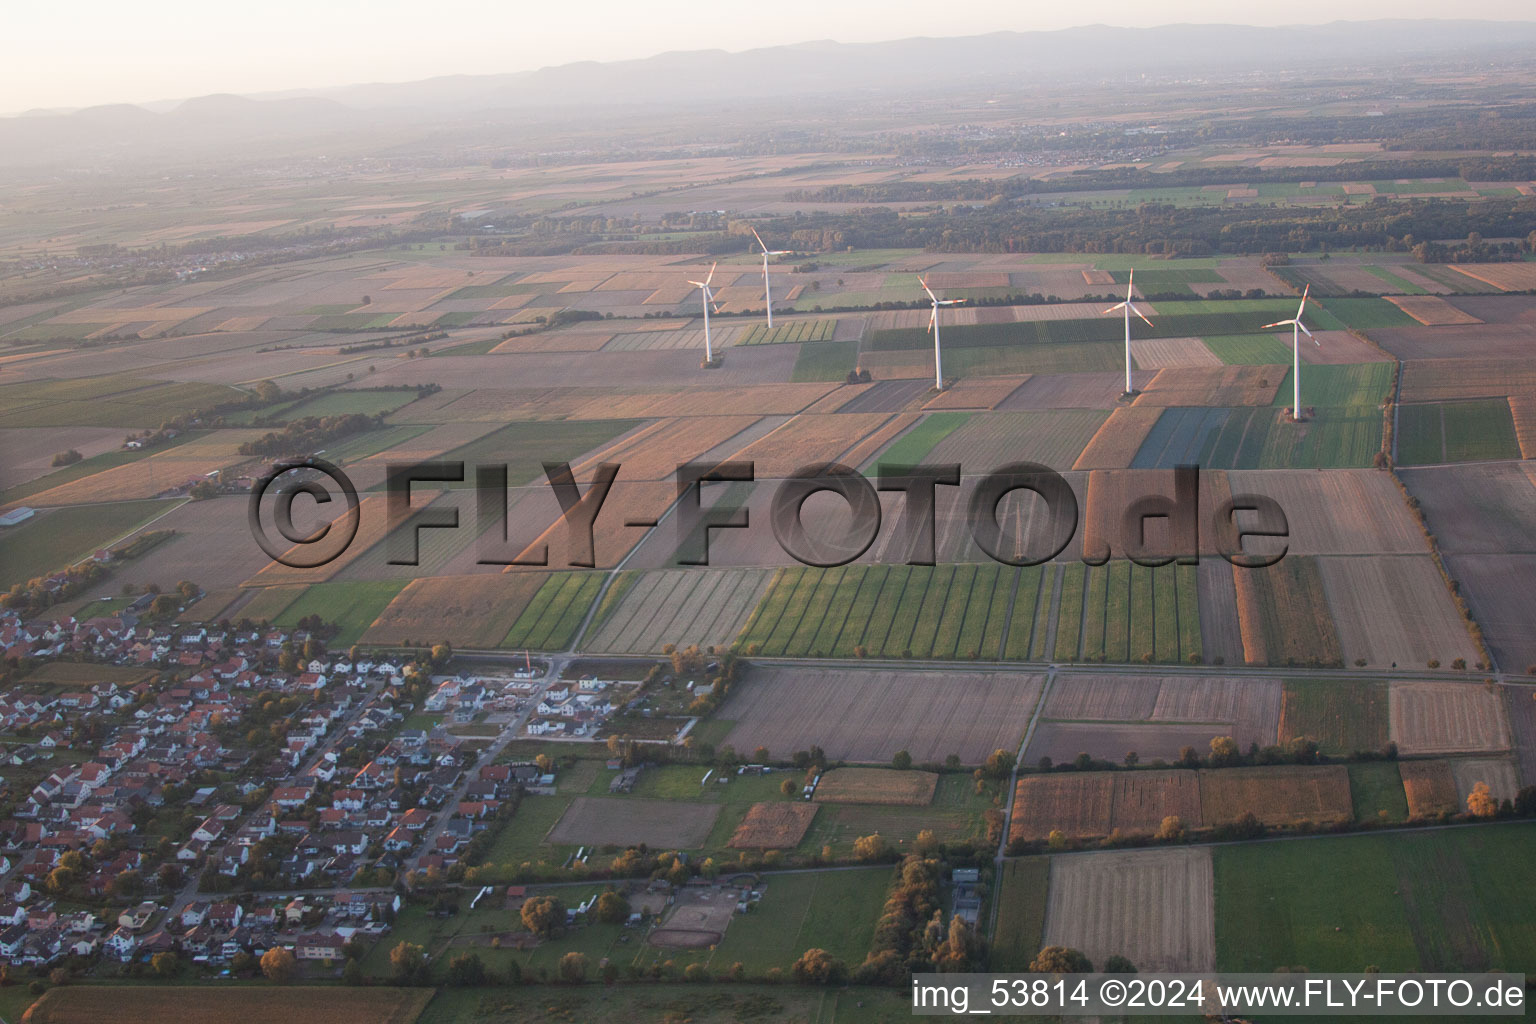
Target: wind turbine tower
<point>707,297</point>
<point>1297,330</point>
<point>933,325</point>
<point>767,288</point>
<point>1129,308</point>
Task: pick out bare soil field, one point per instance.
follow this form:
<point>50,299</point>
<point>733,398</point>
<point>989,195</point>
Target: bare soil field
<point>1509,277</point>
<point>1456,341</point>
<point>1497,772</point>
<point>1337,511</point>
<point>1446,718</point>
<point>865,715</point>
<point>766,399</point>
<point>205,1004</point>
<point>654,452</point>
<point>1112,491</point>
<point>977,392</point>
<point>805,440</point>
<point>1163,353</point>
<point>1221,634</point>
<point>661,824</point>
<point>372,527</point>
<point>694,924</point>
<point>1143,799</point>
<point>1430,788</point>
<point>1247,709</point>
<point>466,611</point>
<point>1117,441</point>
<point>1111,741</point>
<point>1154,907</point>
<point>777,826</point>
<point>212,547</point>
<point>1277,796</point>
<point>1497,588</point>
<point>1109,698</point>
<point>1394,610</point>
<point>1479,509</point>
<point>683,607</point>
<point>1431,310</point>
<point>1073,803</point>
<point>1074,391</point>
<point>1522,409</point>
<point>1213,386</point>
<point>889,396</point>
<point>1520,703</point>
<point>877,786</point>
<point>26,453</point>
<point>1433,380</point>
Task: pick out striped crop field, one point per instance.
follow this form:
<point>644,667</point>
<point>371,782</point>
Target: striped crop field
<point>551,618</point>
<point>1125,612</point>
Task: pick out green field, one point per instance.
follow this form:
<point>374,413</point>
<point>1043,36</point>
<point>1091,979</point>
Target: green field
<point>1376,791</point>
<point>1335,386</point>
<point>912,447</point>
<point>552,617</point>
<point>360,446</point>
<point>1343,716</point>
<point>1249,349</point>
<point>1362,314</point>
<point>58,538</point>
<point>350,605</point>
<point>1021,912</point>
<point>110,401</point>
<point>828,360</point>
<point>525,447</point>
<point>269,602</point>
<point>1130,612</point>
<point>1045,357</point>
<point>893,611</point>
<point>786,333</point>
<point>1395,284</point>
<point>1471,431</point>
<point>1261,438</point>
<point>343,403</point>
<point>1449,900</point>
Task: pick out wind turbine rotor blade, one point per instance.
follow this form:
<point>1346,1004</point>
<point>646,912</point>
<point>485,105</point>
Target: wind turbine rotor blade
<point>1142,315</point>
<point>924,283</point>
<point>933,315</point>
<point>1304,329</point>
<point>1277,323</point>
<point>1303,307</point>
<point>1115,308</point>
<point>759,239</point>
<point>711,276</point>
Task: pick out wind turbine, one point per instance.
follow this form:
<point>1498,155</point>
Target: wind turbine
<point>707,297</point>
<point>933,325</point>
<point>1129,308</point>
<point>767,290</point>
<point>1297,329</point>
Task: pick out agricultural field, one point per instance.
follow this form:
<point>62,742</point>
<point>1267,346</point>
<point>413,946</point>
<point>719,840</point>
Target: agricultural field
<point>868,715</point>
<point>1021,897</point>
<point>773,826</point>
<point>876,786</point>
<point>550,619</point>
<point>1262,438</point>
<point>1418,626</point>
<point>1277,796</point>
<point>941,611</point>
<point>665,825</point>
<point>1467,431</point>
<point>1447,718</point>
<point>465,611</point>
<point>1156,716</point>
<point>199,1004</point>
<point>1432,901</point>
<point>57,538</point>
<point>1342,716</point>
<point>1153,907</point>
<point>1130,612</point>
<point>678,606</point>
<point>352,607</point>
<point>1284,615</point>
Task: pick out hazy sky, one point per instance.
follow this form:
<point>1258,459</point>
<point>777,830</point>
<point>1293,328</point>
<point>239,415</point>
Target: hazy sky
<point>108,51</point>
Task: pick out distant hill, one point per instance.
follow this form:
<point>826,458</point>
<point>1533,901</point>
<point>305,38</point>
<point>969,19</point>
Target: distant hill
<point>695,79</point>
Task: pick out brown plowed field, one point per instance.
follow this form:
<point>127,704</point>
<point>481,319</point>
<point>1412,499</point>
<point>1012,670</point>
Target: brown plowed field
<point>1074,391</point>
<point>205,1004</point>
<point>613,821</point>
<point>1520,703</point>
<point>865,715</point>
<point>777,826</point>
<point>1435,380</point>
<point>1431,310</point>
<point>1154,907</point>
<point>977,392</point>
<point>1498,589</point>
<point>1508,277</point>
<point>1479,509</point>
<point>1430,788</point>
<point>1446,718</point>
<point>1116,443</point>
<point>805,440</point>
<point>1143,799</point>
<point>1163,353</point>
<point>1221,636</point>
<point>876,786</point>
<point>1283,613</point>
<point>1522,408</point>
<point>1498,772</point>
<point>1111,492</point>
<point>1074,803</point>
<point>1277,796</point>
<point>1111,741</point>
<point>1213,386</point>
<point>1394,610</point>
<point>1337,511</point>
